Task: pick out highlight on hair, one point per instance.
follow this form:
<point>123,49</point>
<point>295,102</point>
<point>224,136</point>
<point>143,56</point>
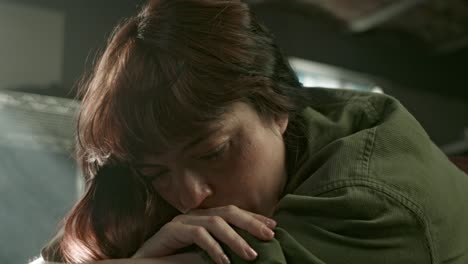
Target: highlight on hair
<point>115,194</point>
<point>166,73</point>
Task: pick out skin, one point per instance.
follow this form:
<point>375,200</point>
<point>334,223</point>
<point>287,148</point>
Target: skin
<point>242,163</point>
<point>233,176</point>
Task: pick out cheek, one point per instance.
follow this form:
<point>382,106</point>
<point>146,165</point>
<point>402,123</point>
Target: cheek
<point>233,176</point>
<point>263,163</point>
<point>246,168</point>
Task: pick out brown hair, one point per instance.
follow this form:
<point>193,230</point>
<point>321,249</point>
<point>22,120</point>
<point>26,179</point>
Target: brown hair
<point>170,70</point>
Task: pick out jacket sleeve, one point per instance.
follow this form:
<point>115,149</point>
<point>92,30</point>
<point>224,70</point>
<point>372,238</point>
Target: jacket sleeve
<point>346,222</point>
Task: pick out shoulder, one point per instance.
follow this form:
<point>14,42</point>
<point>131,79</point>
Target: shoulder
<point>369,158</point>
<point>339,131</point>
<point>352,134</point>
<point>341,113</point>
<point>355,218</point>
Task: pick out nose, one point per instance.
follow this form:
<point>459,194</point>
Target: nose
<point>193,190</point>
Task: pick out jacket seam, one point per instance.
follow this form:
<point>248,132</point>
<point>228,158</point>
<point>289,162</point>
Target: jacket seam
<point>412,207</point>
<point>368,150</point>
<point>401,197</point>
<point>364,169</point>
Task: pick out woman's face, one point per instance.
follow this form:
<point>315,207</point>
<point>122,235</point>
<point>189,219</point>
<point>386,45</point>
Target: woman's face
<point>242,162</point>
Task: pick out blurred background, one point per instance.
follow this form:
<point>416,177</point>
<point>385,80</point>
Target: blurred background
<point>414,50</point>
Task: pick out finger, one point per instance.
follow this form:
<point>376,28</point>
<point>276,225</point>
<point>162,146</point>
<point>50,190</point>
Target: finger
<point>266,220</point>
<point>222,231</point>
<point>201,237</point>
<point>175,235</point>
<point>164,243</point>
<point>242,219</point>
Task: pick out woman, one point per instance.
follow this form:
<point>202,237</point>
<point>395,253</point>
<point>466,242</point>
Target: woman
<point>199,144</point>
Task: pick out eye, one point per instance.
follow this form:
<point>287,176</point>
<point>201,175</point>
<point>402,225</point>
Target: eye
<point>216,153</point>
<point>151,174</point>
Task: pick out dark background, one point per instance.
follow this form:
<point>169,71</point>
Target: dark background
<point>424,64</point>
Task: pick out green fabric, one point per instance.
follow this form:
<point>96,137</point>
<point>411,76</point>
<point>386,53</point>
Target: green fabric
<point>373,188</point>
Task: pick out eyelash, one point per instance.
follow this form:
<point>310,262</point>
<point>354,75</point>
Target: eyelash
<point>153,176</point>
<point>218,152</point>
<point>214,155</point>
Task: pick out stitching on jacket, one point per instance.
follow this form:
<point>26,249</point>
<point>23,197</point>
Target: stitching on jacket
<point>412,207</point>
<point>368,149</point>
<point>364,170</point>
<point>424,219</point>
<point>365,180</point>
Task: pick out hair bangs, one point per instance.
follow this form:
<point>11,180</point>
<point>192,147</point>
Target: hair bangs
<point>152,104</point>
<point>175,112</point>
<point>152,90</point>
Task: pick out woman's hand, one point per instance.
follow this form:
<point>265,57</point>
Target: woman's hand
<point>203,228</point>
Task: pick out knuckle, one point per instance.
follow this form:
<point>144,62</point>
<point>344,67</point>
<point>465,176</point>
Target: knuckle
<point>178,218</point>
<point>198,231</point>
<point>255,225</point>
<point>252,221</point>
<point>260,218</point>
<point>169,226</point>
<point>231,209</point>
<point>215,220</point>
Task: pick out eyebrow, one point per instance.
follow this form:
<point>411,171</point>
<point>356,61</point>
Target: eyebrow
<point>189,145</point>
<point>200,139</point>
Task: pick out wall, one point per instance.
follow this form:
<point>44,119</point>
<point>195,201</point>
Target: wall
<point>89,24</point>
<point>25,30</point>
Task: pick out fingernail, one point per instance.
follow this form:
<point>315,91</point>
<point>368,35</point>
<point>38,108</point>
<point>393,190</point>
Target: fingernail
<point>225,259</point>
<point>267,232</point>
<point>251,253</point>
<point>270,223</point>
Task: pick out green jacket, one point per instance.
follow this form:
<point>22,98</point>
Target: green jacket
<point>373,188</point>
